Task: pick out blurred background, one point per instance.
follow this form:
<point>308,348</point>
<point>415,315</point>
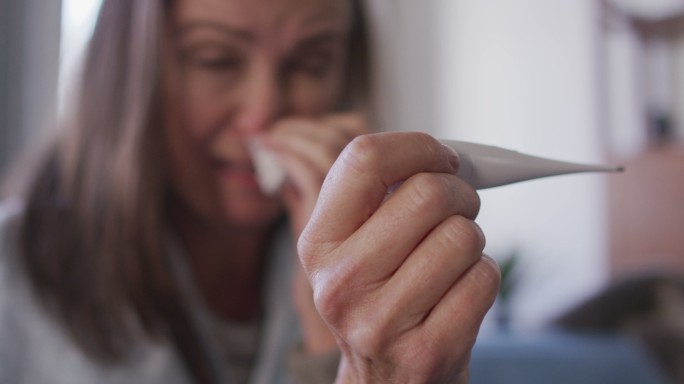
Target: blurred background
<point>583,80</point>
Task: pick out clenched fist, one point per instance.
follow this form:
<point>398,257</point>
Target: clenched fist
<point>395,261</point>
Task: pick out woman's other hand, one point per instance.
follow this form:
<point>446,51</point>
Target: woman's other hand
<point>400,279</point>
<point>307,149</point>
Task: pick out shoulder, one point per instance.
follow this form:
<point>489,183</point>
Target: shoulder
<point>21,320</point>
<point>34,348</point>
<point>18,314</point>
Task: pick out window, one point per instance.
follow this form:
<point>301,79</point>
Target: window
<point>78,20</point>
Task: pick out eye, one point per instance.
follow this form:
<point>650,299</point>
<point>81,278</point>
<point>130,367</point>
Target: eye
<point>213,58</point>
<point>218,62</point>
<point>315,64</point>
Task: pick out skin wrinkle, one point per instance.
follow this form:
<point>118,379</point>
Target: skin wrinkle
<point>307,239</point>
<point>352,160</point>
<point>347,255</point>
<point>367,335</point>
<point>363,173</point>
<point>460,312</point>
<point>334,297</point>
<point>230,70</point>
<point>282,17</point>
<point>369,338</point>
<point>394,216</point>
<point>429,193</point>
<point>484,276</point>
<point>462,233</point>
<point>209,11</point>
<point>422,263</point>
<point>238,69</point>
<point>362,157</point>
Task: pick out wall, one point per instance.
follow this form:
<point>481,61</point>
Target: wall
<point>405,50</point>
<point>521,74</point>
<point>524,75</point>
<point>29,57</point>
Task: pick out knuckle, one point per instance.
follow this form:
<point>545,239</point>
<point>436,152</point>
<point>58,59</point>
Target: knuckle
<point>465,234</point>
<point>469,199</point>
<point>430,145</point>
<point>429,191</point>
<point>314,251</point>
<point>363,154</point>
<point>353,316</point>
<point>325,300</point>
<point>333,293</point>
<point>329,299</point>
<point>474,202</point>
<point>366,338</point>
<point>307,249</point>
<point>360,328</point>
<point>426,140</point>
<point>442,192</point>
<point>488,276</point>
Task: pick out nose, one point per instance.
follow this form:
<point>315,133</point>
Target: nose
<point>261,99</point>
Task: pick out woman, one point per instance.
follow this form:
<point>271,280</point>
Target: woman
<point>145,251</point>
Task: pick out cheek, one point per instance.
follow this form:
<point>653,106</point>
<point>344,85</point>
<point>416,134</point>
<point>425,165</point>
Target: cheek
<point>191,123</point>
<point>309,95</point>
<point>183,133</point>
<point>193,104</point>
<point>193,114</point>
<point>196,113</point>
<point>186,163</point>
<point>186,130</point>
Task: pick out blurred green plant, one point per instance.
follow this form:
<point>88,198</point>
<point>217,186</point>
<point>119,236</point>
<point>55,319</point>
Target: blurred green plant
<point>509,278</point>
<point>509,282</point>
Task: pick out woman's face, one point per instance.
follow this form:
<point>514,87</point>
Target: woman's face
<point>231,68</point>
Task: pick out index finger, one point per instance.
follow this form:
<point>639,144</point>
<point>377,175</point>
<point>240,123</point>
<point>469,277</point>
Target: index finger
<point>358,181</point>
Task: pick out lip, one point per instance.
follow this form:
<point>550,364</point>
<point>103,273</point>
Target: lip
<point>236,172</point>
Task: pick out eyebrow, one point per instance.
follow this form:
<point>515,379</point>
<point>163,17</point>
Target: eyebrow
<point>218,27</point>
<point>321,37</point>
<point>318,38</point>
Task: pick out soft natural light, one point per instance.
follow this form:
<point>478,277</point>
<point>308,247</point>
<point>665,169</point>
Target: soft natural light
<point>78,19</point>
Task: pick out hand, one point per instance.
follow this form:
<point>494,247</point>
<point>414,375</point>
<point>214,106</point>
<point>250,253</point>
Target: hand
<point>400,280</point>
<point>307,149</point>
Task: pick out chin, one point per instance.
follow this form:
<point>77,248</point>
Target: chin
<point>251,214</point>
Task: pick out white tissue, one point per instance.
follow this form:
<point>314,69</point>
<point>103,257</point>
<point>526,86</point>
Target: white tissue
<point>269,173</point>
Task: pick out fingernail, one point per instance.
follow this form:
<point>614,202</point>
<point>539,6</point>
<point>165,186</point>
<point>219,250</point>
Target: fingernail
<point>454,158</point>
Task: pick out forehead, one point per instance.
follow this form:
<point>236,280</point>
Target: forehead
<point>265,16</point>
